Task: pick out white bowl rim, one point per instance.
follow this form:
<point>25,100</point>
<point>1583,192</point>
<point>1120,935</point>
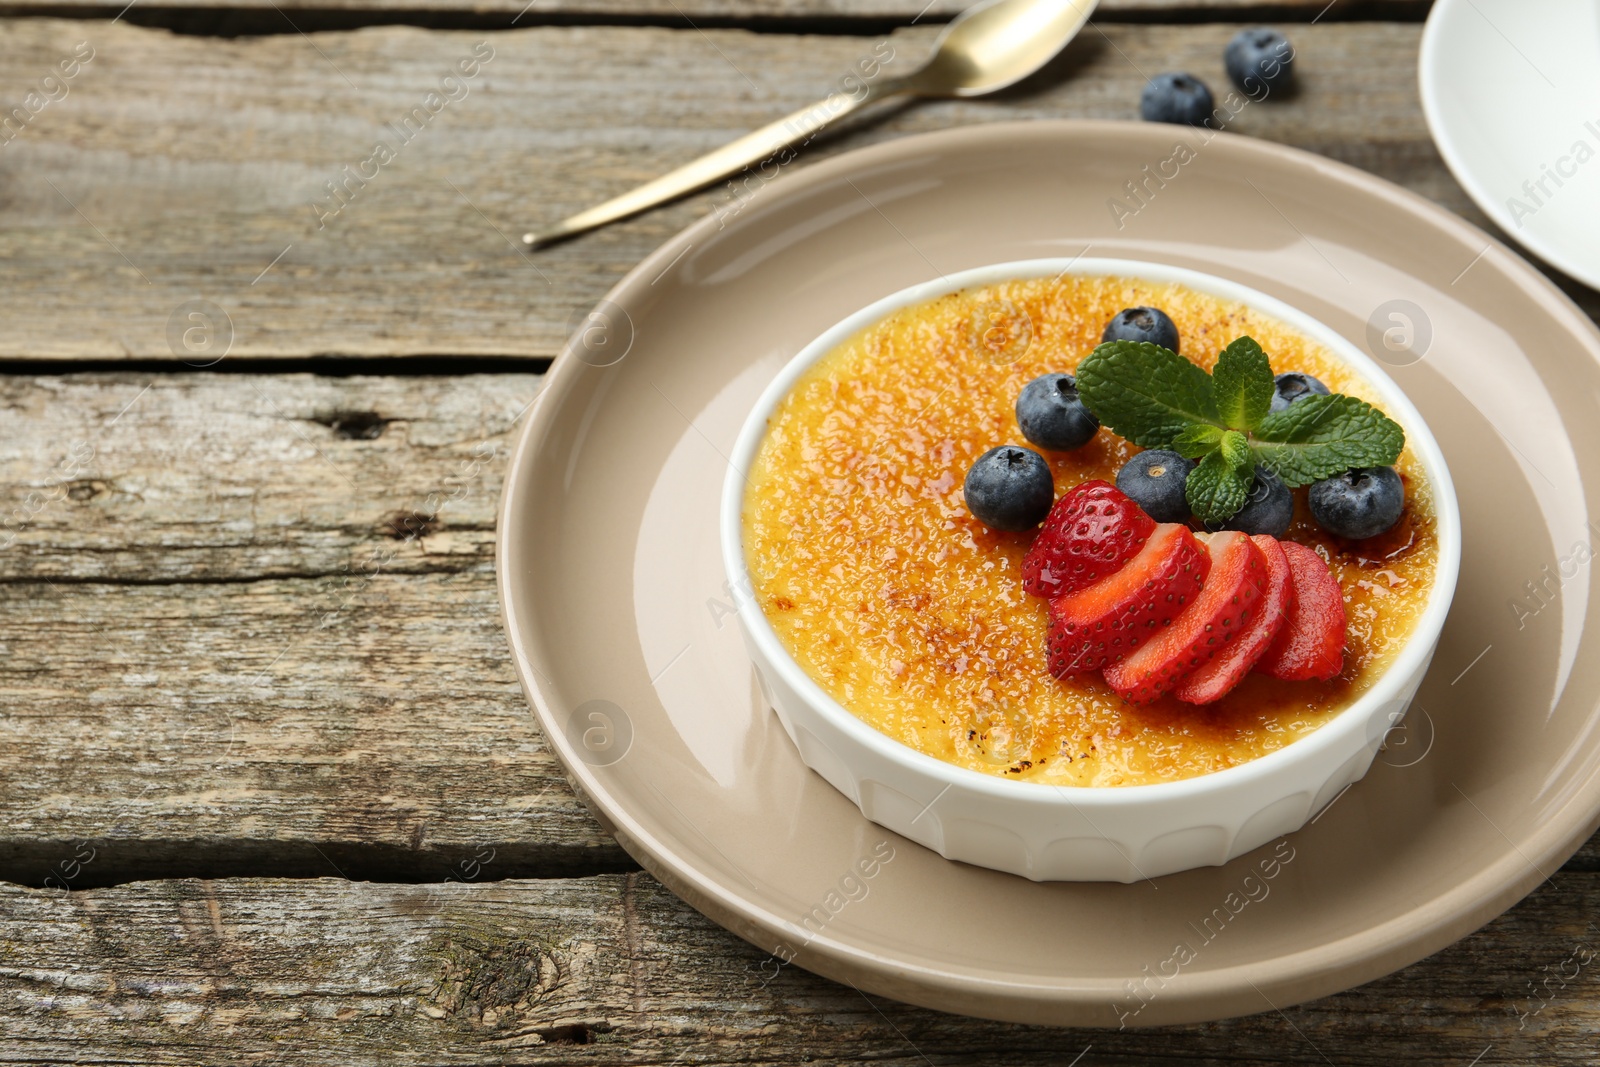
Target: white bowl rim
<point>1351,720</point>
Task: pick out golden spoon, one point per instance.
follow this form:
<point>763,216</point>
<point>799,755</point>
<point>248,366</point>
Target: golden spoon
<point>989,46</point>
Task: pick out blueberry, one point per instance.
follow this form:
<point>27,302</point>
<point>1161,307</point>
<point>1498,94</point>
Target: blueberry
<point>1010,488</point>
<point>1051,414</point>
<point>1259,60</point>
<point>1291,386</point>
<point>1175,97</point>
<point>1155,480</point>
<point>1267,510</point>
<point>1362,502</point>
<point>1142,324</point>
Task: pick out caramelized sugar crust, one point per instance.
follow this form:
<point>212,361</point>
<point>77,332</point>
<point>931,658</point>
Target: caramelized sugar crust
<point>911,613</point>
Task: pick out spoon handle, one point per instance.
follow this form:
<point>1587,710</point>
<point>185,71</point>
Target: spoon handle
<point>762,146</point>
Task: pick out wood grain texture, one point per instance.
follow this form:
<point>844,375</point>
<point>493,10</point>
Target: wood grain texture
<point>371,728</point>
<point>191,478</point>
<point>613,969</point>
<point>256,629</point>
<point>183,168</point>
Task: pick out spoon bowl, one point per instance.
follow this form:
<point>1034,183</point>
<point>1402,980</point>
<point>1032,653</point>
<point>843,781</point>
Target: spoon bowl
<point>996,44</point>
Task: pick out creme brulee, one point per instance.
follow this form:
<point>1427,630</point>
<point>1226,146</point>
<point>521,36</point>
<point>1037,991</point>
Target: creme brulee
<point>911,614</point>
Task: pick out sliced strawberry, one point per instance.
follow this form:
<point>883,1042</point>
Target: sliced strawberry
<point>1311,643</point>
<point>1103,623</point>
<point>1090,532</point>
<point>1213,679</point>
<point>1227,604</point>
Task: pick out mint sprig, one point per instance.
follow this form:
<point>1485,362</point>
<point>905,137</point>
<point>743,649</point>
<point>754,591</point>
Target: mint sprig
<point>1157,399</point>
<point>1146,393</point>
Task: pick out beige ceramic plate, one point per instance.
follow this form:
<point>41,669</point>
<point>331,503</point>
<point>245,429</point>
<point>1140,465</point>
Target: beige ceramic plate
<point>621,626</point>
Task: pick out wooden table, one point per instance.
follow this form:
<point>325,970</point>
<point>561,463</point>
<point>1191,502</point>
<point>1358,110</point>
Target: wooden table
<point>269,790</point>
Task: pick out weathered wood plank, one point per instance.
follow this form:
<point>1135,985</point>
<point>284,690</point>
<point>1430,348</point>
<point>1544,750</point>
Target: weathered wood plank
<point>370,727</point>
<point>614,969</point>
<point>308,675</point>
<point>207,477</point>
<point>140,192</point>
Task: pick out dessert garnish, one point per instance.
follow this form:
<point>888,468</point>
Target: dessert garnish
<point>1097,626</point>
<point>1359,503</point>
<point>1212,679</point>
<point>1291,386</point>
<point>1142,324</point>
<point>1051,414</point>
<point>1224,420</point>
<point>1010,488</point>
<point>1311,643</point>
<point>1268,509</point>
<point>1090,533</point>
<point>1155,479</point>
<point>1177,615</point>
<point>1133,592</point>
<point>1228,602</point>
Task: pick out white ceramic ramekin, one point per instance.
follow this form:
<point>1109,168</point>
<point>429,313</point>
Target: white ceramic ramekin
<point>1048,832</point>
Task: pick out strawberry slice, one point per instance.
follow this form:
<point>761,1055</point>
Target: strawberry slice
<point>1213,679</point>
<point>1103,623</point>
<point>1311,643</point>
<point>1227,604</point>
<point>1090,532</point>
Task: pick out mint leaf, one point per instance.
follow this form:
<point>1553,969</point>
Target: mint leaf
<point>1318,436</point>
<point>1157,399</point>
<point>1197,440</point>
<point>1243,383</point>
<point>1220,485</point>
<point>1235,449</point>
<point>1145,393</point>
